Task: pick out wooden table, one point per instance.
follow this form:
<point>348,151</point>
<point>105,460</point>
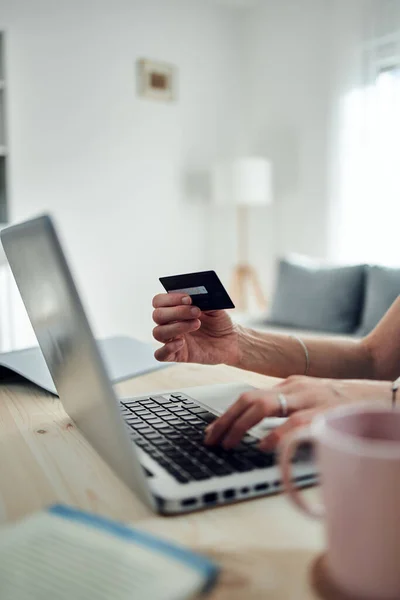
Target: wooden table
<point>266,548</point>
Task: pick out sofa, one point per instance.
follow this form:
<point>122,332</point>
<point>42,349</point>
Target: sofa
<point>318,299</point>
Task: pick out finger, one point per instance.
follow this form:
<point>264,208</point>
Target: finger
<point>165,333</point>
<point>171,300</point>
<point>298,396</point>
<point>238,429</point>
<point>168,351</point>
<point>161,316</point>
<point>216,431</point>
<point>297,419</point>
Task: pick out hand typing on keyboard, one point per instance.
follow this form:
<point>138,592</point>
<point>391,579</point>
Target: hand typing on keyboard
<point>171,429</point>
<point>251,409</point>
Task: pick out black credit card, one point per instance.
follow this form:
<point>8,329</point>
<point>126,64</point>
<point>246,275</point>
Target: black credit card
<point>205,289</point>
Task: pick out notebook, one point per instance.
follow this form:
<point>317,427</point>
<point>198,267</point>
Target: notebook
<point>125,357</point>
<point>64,553</point>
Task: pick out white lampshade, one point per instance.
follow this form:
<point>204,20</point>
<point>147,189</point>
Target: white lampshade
<point>244,181</point>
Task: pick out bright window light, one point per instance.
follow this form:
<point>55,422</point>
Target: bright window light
<point>369,192</point>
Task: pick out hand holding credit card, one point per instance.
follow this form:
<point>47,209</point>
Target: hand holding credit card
<point>204,287</point>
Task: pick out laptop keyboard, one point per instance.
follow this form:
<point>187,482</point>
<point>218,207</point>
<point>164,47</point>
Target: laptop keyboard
<point>171,428</point>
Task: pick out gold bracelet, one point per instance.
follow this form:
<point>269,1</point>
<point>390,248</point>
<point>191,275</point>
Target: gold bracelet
<point>307,356</point>
<point>395,387</point>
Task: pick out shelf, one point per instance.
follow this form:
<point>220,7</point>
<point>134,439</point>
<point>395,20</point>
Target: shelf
<point>3,138</point>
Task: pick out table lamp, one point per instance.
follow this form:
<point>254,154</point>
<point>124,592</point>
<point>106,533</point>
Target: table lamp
<point>243,183</point>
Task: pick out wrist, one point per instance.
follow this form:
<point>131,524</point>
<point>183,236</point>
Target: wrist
<point>361,390</point>
<point>234,357</point>
<point>245,348</point>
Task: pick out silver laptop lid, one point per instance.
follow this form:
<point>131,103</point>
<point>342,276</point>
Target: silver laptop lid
<point>55,310</point>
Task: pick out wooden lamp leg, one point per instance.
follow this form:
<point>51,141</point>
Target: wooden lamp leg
<point>244,275</point>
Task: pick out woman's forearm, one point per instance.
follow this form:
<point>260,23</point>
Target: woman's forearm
<point>282,355</point>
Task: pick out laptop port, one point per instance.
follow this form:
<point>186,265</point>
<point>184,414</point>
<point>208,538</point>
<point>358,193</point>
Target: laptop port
<point>189,501</point>
<point>244,490</point>
<point>210,498</point>
<point>228,494</point>
<point>277,483</point>
<point>260,487</point>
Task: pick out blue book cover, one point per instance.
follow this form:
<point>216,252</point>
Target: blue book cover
<point>67,553</point>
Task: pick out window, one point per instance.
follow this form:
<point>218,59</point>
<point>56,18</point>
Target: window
<point>369,190</point>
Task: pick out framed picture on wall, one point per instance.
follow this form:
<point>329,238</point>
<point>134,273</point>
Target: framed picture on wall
<point>156,80</point>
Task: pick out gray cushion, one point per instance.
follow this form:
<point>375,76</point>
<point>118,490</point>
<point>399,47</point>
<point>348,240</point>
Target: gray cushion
<point>318,297</point>
<point>382,289</point>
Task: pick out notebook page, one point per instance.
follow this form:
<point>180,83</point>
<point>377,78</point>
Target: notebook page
<point>50,558</point>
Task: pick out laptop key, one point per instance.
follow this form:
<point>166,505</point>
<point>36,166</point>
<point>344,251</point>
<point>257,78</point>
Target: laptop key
<point>175,422</point>
<point>151,437</point>
<point>160,400</point>
<point>221,470</point>
<point>141,442</point>
<point>268,460</point>
<point>193,421</point>
<point>131,405</point>
<point>146,448</point>
<point>197,453</point>
<point>132,420</point>
<point>196,410</point>
<point>174,398</point>
<point>240,465</point>
<point>181,425</point>
<point>159,442</point>
<point>155,453</point>
<point>208,417</point>
<point>168,417</point>
<point>176,453</point>
<point>199,435</point>
<point>179,475</point>
<point>139,426</point>
<point>147,431</point>
<point>200,475</point>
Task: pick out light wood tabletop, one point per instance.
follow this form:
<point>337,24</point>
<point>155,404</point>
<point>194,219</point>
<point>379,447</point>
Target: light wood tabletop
<point>265,547</point>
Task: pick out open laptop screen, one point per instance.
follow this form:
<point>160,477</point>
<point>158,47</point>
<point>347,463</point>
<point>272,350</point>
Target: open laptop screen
<point>68,346</point>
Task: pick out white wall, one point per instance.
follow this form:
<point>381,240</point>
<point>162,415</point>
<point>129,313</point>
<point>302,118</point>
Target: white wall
<point>287,54</point>
<point>110,166</point>
<point>126,177</point>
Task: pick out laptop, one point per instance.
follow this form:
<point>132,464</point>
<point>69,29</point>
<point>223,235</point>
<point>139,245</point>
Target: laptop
<point>155,442</point>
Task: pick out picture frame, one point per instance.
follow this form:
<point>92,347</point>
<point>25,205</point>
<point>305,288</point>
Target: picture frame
<point>156,80</point>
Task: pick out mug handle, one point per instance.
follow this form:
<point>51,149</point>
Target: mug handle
<point>288,448</point>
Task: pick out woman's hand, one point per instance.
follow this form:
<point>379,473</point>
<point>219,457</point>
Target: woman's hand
<point>305,397</point>
<point>189,335</point>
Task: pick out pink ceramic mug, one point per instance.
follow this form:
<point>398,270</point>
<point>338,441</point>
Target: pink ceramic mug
<point>358,458</point>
